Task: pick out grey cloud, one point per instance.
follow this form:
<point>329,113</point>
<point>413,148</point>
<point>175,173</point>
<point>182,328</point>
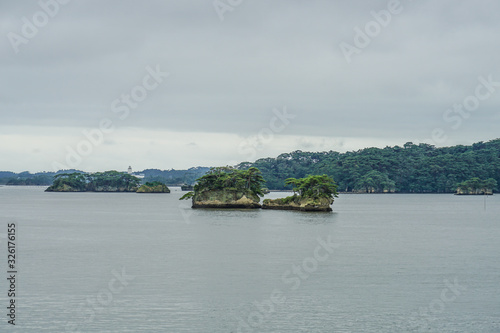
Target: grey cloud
<point>226,77</point>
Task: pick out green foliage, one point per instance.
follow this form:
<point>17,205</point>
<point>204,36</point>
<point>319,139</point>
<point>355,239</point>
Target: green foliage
<point>283,201</point>
<point>476,185</point>
<point>112,179</point>
<point>92,182</point>
<point>412,168</point>
<point>187,196</point>
<point>311,193</point>
<point>375,182</point>
<point>153,187</point>
<point>40,179</point>
<point>174,177</point>
<point>77,181</point>
<point>229,178</point>
<point>313,186</point>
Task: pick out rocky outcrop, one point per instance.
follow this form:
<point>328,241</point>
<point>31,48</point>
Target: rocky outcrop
<point>372,190</point>
<point>301,204</point>
<point>226,199</point>
<point>461,191</point>
<point>113,189</point>
<point>160,188</point>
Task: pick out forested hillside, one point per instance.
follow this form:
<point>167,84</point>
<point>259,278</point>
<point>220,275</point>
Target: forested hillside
<point>26,178</point>
<point>421,168</point>
<point>175,177</point>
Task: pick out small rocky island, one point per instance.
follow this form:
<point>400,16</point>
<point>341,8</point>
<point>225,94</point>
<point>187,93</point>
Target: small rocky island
<point>226,187</point>
<point>311,194</point>
<point>476,186</point>
<point>187,187</point>
<point>109,181</point>
<point>153,187</point>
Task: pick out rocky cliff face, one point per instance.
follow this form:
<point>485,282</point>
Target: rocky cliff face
<point>300,204</point>
<point>114,189</point>
<point>226,199</point>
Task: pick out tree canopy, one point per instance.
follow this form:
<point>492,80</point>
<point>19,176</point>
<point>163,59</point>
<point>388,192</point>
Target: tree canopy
<point>375,181</point>
<point>94,181</point>
<point>477,186</point>
<point>229,178</point>
<point>313,186</point>
<point>174,177</point>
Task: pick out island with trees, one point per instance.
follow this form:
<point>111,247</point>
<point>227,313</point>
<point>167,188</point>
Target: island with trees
<point>153,187</point>
<point>314,193</point>
<point>109,181</point>
<point>477,186</point>
<point>227,187</point>
<point>187,187</point>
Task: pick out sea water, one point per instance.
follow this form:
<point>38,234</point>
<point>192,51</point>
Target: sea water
<point>126,262</point>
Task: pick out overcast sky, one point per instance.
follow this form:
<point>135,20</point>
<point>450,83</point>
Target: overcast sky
<point>246,79</point>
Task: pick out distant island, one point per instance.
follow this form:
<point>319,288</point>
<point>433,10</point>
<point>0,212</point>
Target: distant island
<point>109,181</point>
<point>226,187</point>
<point>311,194</point>
<point>186,187</point>
<point>153,187</point>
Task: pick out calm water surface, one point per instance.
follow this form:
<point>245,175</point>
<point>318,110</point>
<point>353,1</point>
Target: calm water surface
<point>126,262</point>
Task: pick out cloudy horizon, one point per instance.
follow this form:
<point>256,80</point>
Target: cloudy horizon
<point>102,85</point>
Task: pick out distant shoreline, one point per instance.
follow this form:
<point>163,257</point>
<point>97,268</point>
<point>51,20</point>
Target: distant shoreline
<point>272,191</point>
